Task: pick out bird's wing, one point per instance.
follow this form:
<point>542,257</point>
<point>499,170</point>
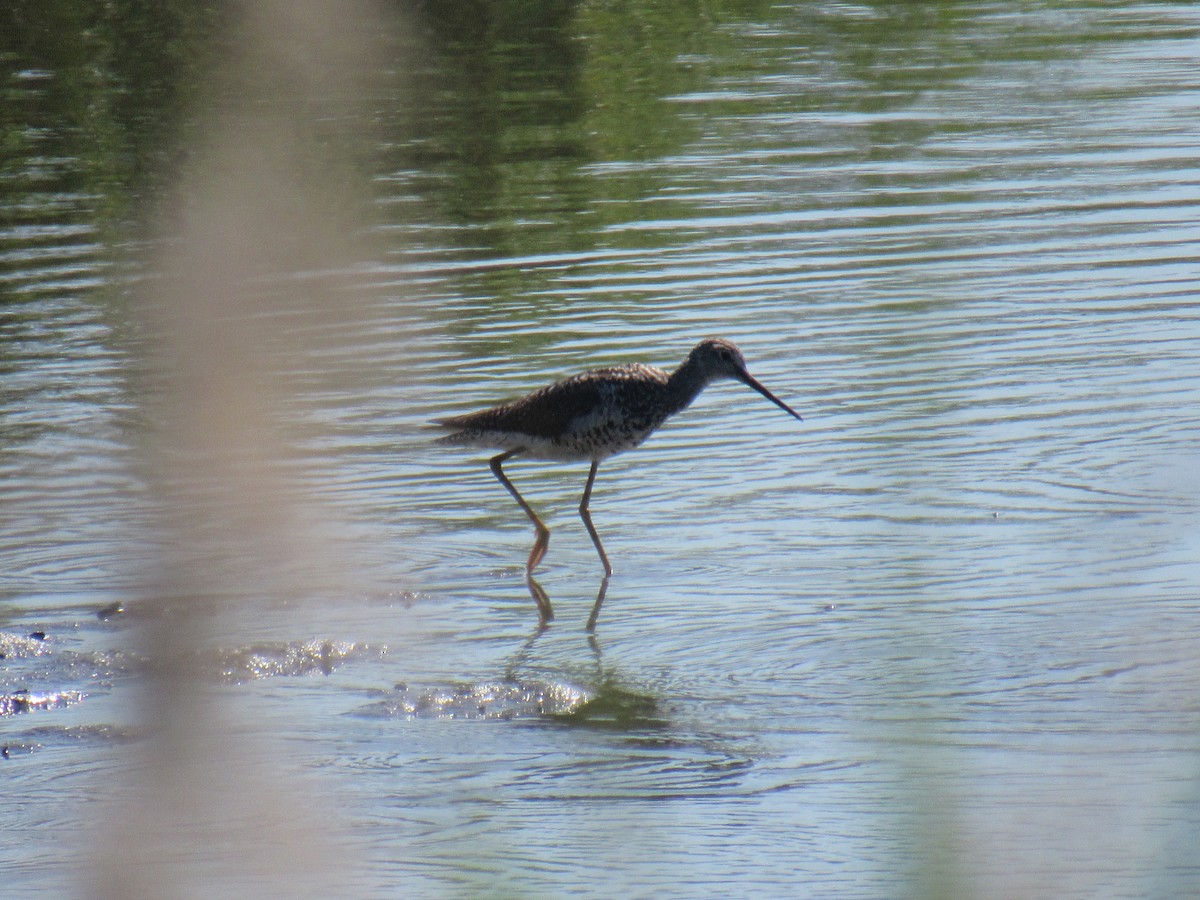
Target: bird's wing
<point>546,413</point>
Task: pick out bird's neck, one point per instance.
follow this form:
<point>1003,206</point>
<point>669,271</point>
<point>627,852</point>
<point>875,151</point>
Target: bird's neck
<point>684,384</point>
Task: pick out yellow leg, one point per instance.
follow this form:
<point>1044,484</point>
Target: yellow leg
<point>587,518</point>
<point>543,533</point>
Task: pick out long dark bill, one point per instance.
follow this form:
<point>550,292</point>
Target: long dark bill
<point>748,379</point>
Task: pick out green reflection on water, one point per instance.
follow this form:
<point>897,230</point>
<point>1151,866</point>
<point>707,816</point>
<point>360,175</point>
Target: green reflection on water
<point>495,112</point>
<point>615,707</point>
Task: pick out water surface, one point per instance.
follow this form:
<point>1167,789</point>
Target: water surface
<point>939,636</point>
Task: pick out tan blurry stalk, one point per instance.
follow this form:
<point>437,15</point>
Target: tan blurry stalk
<point>210,810</point>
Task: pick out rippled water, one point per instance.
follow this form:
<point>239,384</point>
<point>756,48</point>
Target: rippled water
<point>937,637</point>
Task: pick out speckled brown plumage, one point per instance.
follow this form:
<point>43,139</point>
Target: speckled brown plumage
<point>587,416</point>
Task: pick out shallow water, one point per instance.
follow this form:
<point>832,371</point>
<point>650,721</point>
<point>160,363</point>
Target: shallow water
<point>937,637</point>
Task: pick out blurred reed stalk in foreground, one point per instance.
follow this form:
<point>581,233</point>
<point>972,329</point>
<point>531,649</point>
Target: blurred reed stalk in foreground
<point>262,196</point>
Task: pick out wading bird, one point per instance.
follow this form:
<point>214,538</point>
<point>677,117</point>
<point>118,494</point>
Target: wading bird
<point>591,416</point>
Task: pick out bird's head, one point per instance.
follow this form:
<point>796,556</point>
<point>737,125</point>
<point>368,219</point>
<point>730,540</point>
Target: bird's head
<point>719,358</point>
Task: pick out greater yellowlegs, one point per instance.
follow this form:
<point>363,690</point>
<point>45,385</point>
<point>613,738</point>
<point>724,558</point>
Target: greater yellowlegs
<point>592,416</point>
